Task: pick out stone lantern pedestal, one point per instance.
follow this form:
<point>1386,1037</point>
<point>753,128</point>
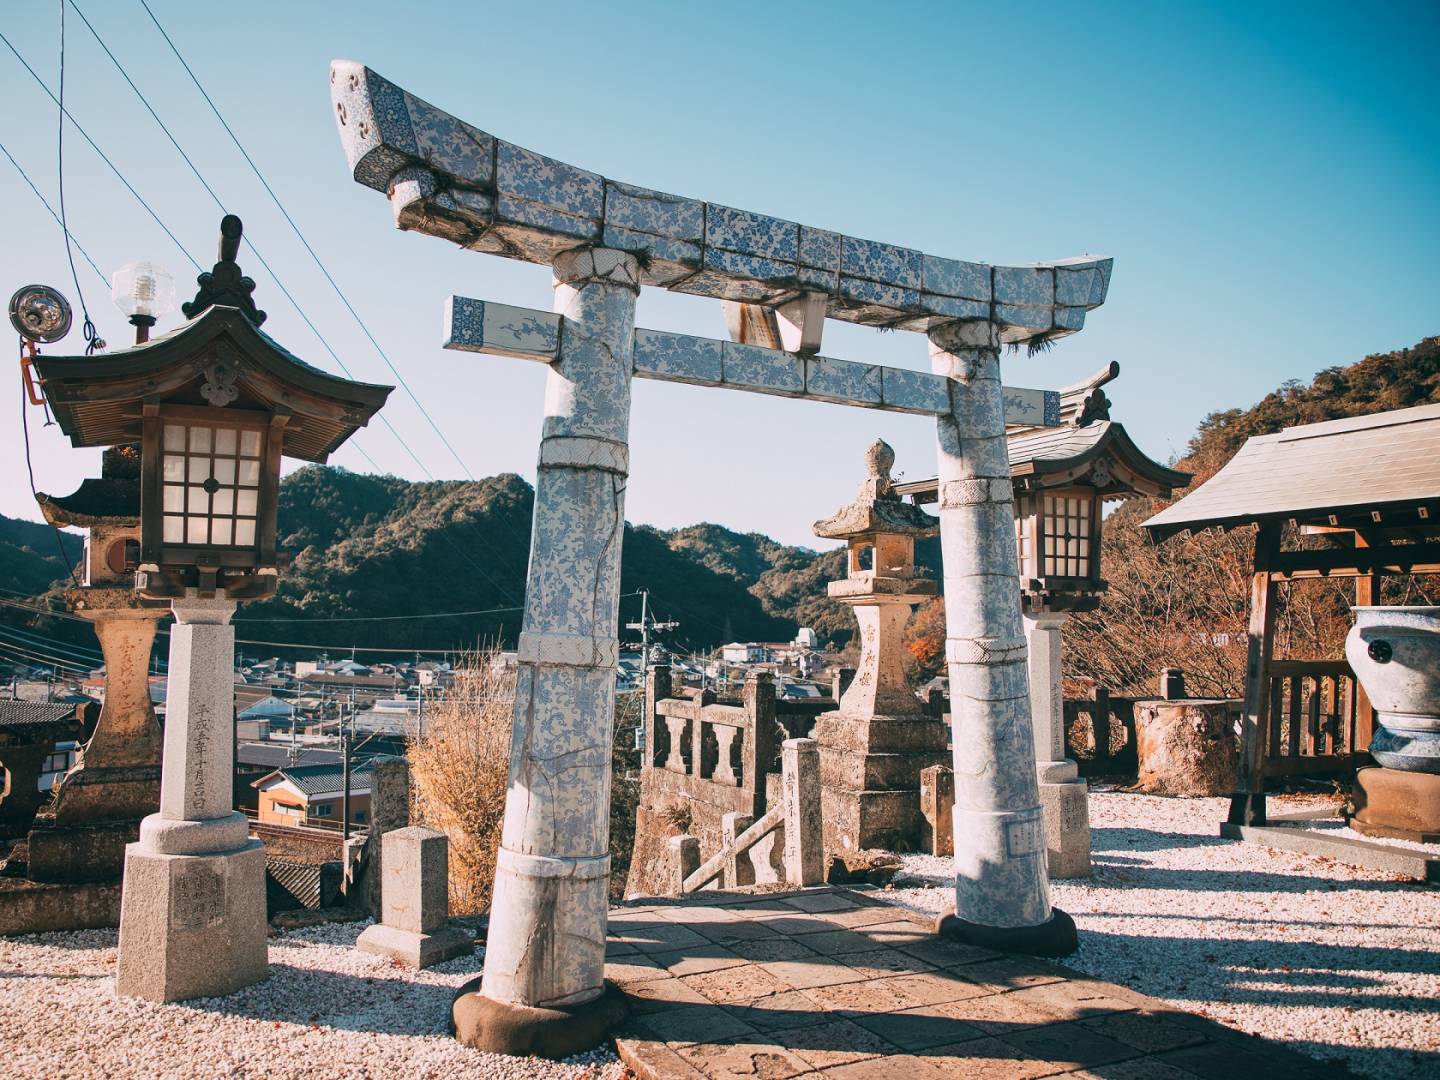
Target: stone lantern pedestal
<point>874,746</point>
<point>192,915</point>
<point>1064,796</point>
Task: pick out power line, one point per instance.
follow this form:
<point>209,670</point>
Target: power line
<point>87,329</point>
<point>46,203</point>
<point>279,205</point>
<point>119,175</point>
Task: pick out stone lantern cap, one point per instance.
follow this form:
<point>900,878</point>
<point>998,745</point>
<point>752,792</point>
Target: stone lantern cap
<point>877,508</point>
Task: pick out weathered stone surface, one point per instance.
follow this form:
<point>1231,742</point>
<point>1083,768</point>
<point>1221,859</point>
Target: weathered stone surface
<point>1397,803</point>
<point>416,950</point>
<point>937,805</point>
<point>414,894</point>
<point>1000,872</point>
<point>553,867</point>
<point>804,863</point>
<point>191,925</point>
<point>33,907</point>
<point>1067,828</point>
<point>1186,747</point>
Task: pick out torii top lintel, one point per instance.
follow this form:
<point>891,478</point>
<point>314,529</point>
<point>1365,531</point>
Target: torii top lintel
<point>449,179</point>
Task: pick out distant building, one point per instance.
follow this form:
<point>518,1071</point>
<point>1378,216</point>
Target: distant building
<point>806,638</point>
<point>313,795</point>
<point>750,652</point>
<point>37,745</point>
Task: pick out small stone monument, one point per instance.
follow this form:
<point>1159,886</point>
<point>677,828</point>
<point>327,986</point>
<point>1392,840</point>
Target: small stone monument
<point>874,746</point>
<point>414,901</point>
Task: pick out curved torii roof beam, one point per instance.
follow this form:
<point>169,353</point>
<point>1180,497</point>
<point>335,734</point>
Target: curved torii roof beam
<point>449,179</point>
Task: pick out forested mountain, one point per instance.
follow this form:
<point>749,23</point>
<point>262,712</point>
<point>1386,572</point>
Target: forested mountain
<point>376,557</point>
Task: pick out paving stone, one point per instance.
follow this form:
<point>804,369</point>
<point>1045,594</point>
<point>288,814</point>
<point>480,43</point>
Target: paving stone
<point>1238,1055</point>
<point>1011,973</point>
<point>761,909</point>
<point>1069,1002</point>
<point>984,1059</point>
<point>839,942</point>
<point>734,984</point>
<point>1070,1045</point>
<point>880,963</point>
<point>838,1042</point>
<point>734,929</point>
<point>656,995</point>
<point>799,924</point>
<point>664,937</point>
<point>820,902</point>
<point>620,948</point>
<point>1151,1034</point>
<point>934,988</point>
<point>772,947</point>
<point>635,968</point>
<point>897,933</point>
<point>686,915</point>
<point>998,1014</point>
<point>918,1029</point>
<point>650,1060</point>
<point>804,974</point>
<point>696,961</point>
<point>678,1027</point>
<point>901,1065</point>
<point>871,915</point>
<point>786,1009</point>
<point>870,997</point>
<point>1146,1068</point>
<point>744,1061</point>
<point>943,953</point>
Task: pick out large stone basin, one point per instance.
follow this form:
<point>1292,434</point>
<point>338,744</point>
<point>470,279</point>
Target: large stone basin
<point>1395,653</point>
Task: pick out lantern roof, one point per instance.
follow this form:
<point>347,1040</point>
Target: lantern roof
<point>878,507</point>
<point>113,498</point>
<point>218,358</point>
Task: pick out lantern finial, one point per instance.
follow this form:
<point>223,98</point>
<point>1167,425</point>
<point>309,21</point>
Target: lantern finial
<point>225,284</point>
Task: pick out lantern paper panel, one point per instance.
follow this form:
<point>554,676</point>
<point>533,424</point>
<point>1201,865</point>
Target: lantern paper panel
<point>210,477</point>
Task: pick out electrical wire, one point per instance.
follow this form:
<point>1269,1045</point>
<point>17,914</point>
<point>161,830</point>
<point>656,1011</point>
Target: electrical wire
<point>46,203</point>
<point>30,472</point>
<point>92,340</point>
<point>306,243</point>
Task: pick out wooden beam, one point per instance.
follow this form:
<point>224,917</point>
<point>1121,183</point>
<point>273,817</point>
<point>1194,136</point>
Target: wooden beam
<point>1247,805</point>
<point>1348,562</point>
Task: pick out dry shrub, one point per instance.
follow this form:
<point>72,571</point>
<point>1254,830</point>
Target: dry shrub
<point>459,765</point>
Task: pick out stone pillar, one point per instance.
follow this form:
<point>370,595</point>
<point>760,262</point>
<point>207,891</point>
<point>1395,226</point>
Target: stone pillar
<point>192,915</point>
<point>1002,892</point>
<point>546,951</point>
<point>81,836</point>
<point>804,839</point>
<point>415,901</point>
<point>1063,795</point>
<point>389,810</point>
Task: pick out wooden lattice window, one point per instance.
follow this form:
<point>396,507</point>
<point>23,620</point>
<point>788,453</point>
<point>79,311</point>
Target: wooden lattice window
<point>1066,522</point>
<point>210,483</point>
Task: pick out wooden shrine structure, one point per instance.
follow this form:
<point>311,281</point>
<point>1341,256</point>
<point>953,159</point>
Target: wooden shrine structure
<point>1354,498</point>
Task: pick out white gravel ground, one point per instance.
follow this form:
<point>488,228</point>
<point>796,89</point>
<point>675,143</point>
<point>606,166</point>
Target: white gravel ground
<point>326,1010</point>
<point>1337,961</point>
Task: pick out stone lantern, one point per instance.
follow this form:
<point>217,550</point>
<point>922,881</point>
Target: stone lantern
<point>214,406</point>
<point>873,747</point>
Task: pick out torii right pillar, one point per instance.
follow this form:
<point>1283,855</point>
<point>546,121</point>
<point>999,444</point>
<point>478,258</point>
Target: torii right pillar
<point>1002,887</point>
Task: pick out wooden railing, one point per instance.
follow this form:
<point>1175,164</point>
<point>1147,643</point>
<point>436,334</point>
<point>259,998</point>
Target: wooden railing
<point>1316,719</point>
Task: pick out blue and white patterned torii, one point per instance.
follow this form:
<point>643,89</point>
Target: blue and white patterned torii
<point>604,240</point>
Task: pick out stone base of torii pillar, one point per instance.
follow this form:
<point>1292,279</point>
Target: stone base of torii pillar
<point>192,909</point>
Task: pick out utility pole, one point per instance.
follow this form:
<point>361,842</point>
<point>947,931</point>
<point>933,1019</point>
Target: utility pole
<point>345,796</point>
<point>645,625</point>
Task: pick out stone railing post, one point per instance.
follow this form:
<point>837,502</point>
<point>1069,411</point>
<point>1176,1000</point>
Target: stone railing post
<point>547,924</point>
<point>738,868</point>
<point>804,842</point>
<point>658,687</point>
<point>1002,892</point>
<point>683,852</point>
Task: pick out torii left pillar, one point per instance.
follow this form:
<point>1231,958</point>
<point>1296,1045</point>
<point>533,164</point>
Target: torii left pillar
<point>543,991</point>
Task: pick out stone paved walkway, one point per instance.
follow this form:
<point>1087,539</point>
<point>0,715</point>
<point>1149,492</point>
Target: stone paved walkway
<point>832,983</point>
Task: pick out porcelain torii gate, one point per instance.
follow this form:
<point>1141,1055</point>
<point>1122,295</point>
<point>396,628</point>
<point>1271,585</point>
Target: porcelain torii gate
<point>604,240</point>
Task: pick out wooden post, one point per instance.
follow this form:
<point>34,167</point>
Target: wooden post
<point>1247,805</point>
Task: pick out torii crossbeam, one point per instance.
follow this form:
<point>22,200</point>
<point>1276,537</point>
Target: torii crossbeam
<point>543,987</point>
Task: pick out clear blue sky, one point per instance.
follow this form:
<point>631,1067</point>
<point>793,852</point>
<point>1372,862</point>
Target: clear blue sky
<point>1266,176</point>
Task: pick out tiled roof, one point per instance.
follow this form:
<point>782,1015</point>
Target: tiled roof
<point>1359,464</point>
<point>315,779</point>
<point>24,713</point>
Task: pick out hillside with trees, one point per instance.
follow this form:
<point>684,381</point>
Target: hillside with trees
<point>376,557</point>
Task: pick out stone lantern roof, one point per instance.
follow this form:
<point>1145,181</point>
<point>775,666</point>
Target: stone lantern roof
<point>878,507</point>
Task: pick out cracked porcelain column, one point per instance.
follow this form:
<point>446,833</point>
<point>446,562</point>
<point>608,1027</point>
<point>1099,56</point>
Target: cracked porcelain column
<point>1002,891</point>
<point>546,947</point>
